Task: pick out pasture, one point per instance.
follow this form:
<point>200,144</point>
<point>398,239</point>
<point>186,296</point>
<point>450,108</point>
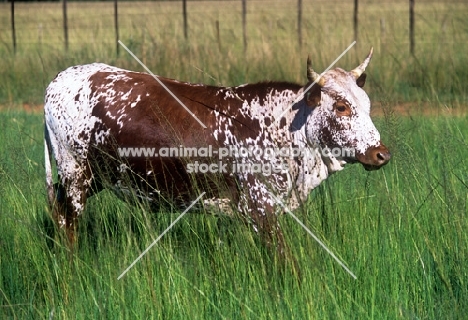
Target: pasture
<point>401,230</point>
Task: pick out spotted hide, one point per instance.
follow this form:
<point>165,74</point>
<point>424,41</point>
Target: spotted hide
<point>94,111</point>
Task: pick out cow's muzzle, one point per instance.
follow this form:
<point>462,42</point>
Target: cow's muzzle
<point>375,157</point>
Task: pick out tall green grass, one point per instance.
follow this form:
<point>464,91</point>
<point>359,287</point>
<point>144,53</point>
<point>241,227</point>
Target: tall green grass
<point>401,230</point>
<point>154,32</point>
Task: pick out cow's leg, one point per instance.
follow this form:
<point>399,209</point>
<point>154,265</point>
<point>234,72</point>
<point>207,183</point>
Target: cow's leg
<point>67,197</point>
<point>272,236</point>
<point>63,211</point>
<point>70,197</point>
<point>269,230</point>
<point>75,201</point>
<point>57,202</point>
<point>259,208</point>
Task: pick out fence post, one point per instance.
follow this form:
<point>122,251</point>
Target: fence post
<point>383,36</point>
<point>244,23</point>
<point>116,23</point>
<point>355,19</point>
<point>65,23</point>
<point>13,30</point>
<point>184,13</point>
<point>411,25</point>
<point>299,22</point>
<point>218,37</point>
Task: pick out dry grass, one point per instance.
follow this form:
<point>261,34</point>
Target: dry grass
<point>154,31</point>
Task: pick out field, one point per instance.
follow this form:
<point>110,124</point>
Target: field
<point>401,230</point>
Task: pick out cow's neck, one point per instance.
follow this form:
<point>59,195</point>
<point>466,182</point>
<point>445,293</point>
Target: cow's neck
<point>315,164</point>
<point>284,125</point>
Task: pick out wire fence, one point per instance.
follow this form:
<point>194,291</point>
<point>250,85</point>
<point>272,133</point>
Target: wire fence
<point>62,20</point>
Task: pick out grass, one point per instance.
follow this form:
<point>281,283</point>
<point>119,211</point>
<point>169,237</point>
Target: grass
<point>401,230</point>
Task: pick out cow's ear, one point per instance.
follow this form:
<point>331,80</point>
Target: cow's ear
<point>361,80</point>
<point>313,96</point>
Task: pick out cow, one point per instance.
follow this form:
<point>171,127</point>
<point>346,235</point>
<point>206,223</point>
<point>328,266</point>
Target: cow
<point>94,111</point>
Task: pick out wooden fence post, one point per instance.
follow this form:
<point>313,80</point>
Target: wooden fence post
<point>184,13</point>
<point>218,36</point>
<point>383,36</point>
<point>244,23</point>
<point>411,25</point>
<point>355,19</point>
<point>65,23</point>
<point>299,22</point>
<point>116,23</point>
<point>13,30</point>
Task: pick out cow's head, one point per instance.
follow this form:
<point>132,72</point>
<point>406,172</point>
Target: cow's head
<point>340,118</point>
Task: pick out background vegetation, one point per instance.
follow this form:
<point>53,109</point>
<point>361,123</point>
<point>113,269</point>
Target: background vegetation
<point>401,230</point>
<point>154,32</point>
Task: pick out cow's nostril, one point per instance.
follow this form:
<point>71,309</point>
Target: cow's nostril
<point>383,157</point>
<point>375,157</point>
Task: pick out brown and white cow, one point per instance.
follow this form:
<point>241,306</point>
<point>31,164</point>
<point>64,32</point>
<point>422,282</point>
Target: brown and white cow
<point>93,111</point>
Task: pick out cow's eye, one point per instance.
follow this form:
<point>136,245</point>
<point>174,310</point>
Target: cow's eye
<point>341,109</point>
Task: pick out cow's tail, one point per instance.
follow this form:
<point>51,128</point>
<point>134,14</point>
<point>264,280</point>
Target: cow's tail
<point>48,167</point>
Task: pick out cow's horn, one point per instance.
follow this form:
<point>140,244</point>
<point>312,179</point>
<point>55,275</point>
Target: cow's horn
<point>312,75</point>
<point>362,67</point>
